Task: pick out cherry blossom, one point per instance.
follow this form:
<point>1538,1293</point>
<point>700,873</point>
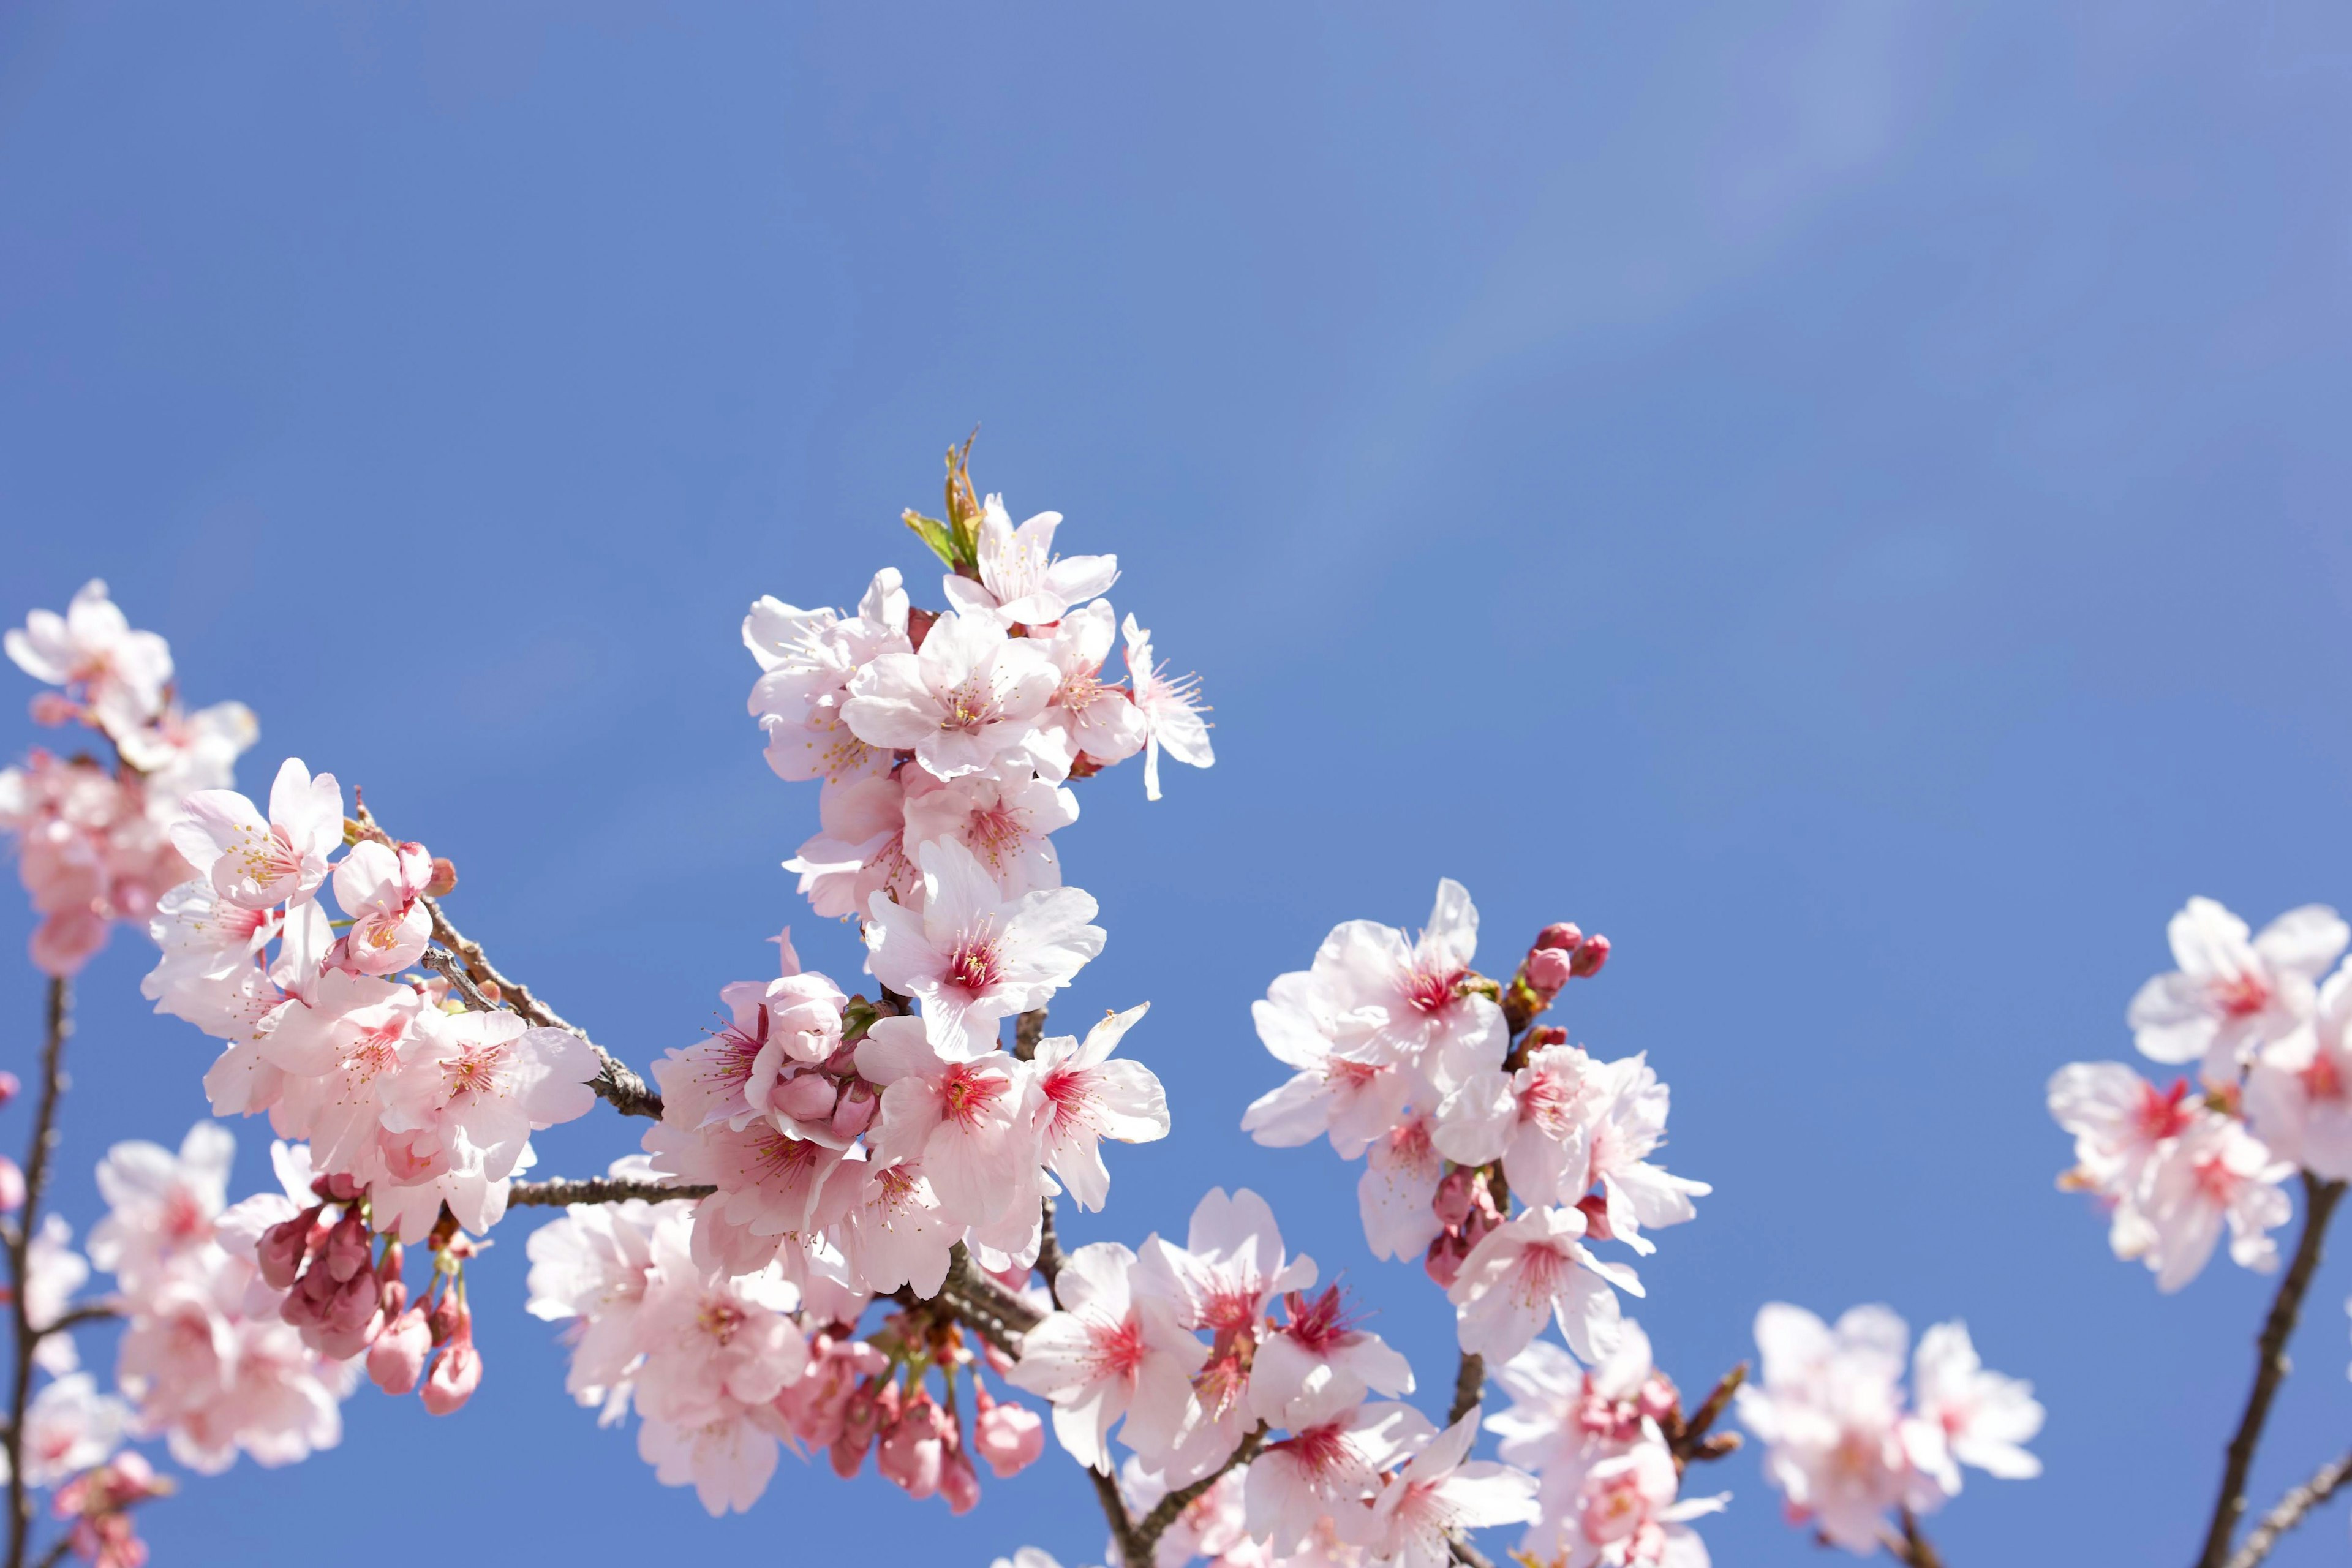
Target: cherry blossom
<point>122,673</point>
<point>161,1206</point>
<point>1112,1351</point>
<point>69,1427</point>
<point>1087,717</point>
<point>972,957</point>
<point>92,848</point>
<point>2234,991</point>
<point>1328,1464</point>
<point>1533,1267</point>
<point>1397,1192</point>
<point>2299,1090</point>
<point>806,658</point>
<point>2215,1174</point>
<point>1344,1093</point>
<point>1828,1407</point>
<point>1171,710</point>
<point>1086,1098</point>
<point>1985,1419</point>
<point>1004,823</point>
<point>1442,1492</point>
<point>256,862</point>
<point>969,695</point>
<point>1021,578</point>
<point>381,888</point>
<point>1318,1346</point>
<point>1628,1124</point>
<point>1623,1512</point>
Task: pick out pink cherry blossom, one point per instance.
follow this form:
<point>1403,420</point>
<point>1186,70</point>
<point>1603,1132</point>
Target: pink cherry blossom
<point>256,862</point>
<point>1087,717</point>
<point>1086,1098</point>
<point>2213,1175</point>
<point>1442,1492</point>
<point>971,695</point>
<point>1112,1351</point>
<point>381,888</point>
<point>972,1124</point>
<point>91,848</point>
<point>1533,1267</point>
<point>1540,1122</point>
<point>1629,1122</point>
<point>1318,1346</point>
<point>92,647</point>
<point>972,957</point>
<point>1171,710</point>
<point>1021,578</point>
<point>728,1461</point>
<point>1623,1512</point>
<point>1828,1407</point>
<point>1983,1419</point>
<point>860,850</point>
<point>1339,1089</point>
<point>163,1206</point>
<point>1004,823</point>
<point>806,658</point>
<point>1397,1193</point>
<point>1327,1466</point>
<point>69,1427</point>
<point>2234,991</point>
<point>2299,1092</point>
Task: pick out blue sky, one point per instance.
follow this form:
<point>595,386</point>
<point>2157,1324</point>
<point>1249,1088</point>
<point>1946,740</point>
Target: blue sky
<point>1847,499</point>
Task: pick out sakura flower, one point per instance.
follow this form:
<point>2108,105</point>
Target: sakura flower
<point>1344,1092</point>
<point>771,1185</point>
<point>381,888</point>
<point>256,862</point>
<point>1005,825</point>
<point>806,658</point>
<point>896,1231</point>
<point>591,1270</point>
<point>1563,1415</point>
<point>1629,1122</point>
<point>179,753</point>
<point>1442,1492</point>
<point>92,647</point>
<point>204,939</point>
<point>1021,578</point>
<point>1413,1004</point>
<point>1828,1407</point>
<point>1540,1122</point>
<point>860,850</point>
<point>53,1272</point>
<point>1532,1268</point>
<point>1211,1525</point>
<point>2299,1092</point>
<point>2119,1120</point>
<point>1171,710</point>
<point>972,957</point>
<point>1983,1419</point>
<point>726,1461</point>
<point>163,1206</point>
<point>1397,1193</point>
<point>1326,1465</point>
<point>1085,716</point>
<point>70,1427</point>
<point>2215,1174</point>
<point>1112,1351</point>
<point>90,851</point>
<point>1087,1098</point>
<point>2233,992</point>
<point>971,695</point>
<point>1318,1348</point>
<point>972,1123</point>
<point>713,1342</point>
<point>1623,1513</point>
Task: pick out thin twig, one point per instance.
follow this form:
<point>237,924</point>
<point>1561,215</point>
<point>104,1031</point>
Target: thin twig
<point>2289,1510</point>
<point>19,1249</point>
<point>57,1552</point>
<point>1027,1030</point>
<point>557,1191</point>
<point>614,1082</point>
<point>1153,1525</point>
<point>2270,1366</point>
<point>88,1312</point>
<point>1466,1554</point>
<point>1469,1386</point>
<point>1050,1257</point>
<point>1122,1527</point>
<point>1915,1548</point>
<point>1690,1442</point>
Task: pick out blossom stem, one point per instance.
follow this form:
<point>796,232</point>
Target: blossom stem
<point>1691,1441</point>
<point>1153,1525</point>
<point>2270,1367</point>
<point>1469,1386</point>
<point>1915,1548</point>
<point>1114,1507</point>
<point>556,1192</point>
<point>2289,1510</point>
<point>19,1242</point>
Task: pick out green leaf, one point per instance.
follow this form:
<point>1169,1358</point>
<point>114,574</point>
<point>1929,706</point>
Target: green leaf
<point>935,533</point>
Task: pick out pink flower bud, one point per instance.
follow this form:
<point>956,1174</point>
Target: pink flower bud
<point>1560,936</point>
<point>1659,1397</point>
<point>54,708</point>
<point>397,1359</point>
<point>282,1249</point>
<point>336,1188</point>
<point>958,1483</point>
<point>919,626</point>
<point>11,1186</point>
<point>1453,1198</point>
<point>807,1096</point>
<point>1009,1437</point>
<point>1546,970</point>
<point>348,1251</point>
<point>349,1320</point>
<point>9,1087</point>
<point>1596,1217</point>
<point>449,1319</point>
<point>1590,957</point>
<point>455,1374</point>
<point>853,1112</point>
<point>911,1452</point>
<point>1443,1264</point>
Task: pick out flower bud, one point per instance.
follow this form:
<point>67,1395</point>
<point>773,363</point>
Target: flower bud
<point>9,1087</point>
<point>444,881</point>
<point>449,1319</point>
<point>11,1186</point>
<point>348,1253</point>
<point>912,1454</point>
<point>455,1374</point>
<point>1590,957</point>
<point>1443,1264</point>
<point>1546,970</point>
<point>853,1112</point>
<point>1595,1209</point>
<point>336,1187</point>
<point>54,708</point>
<point>1009,1437</point>
<point>397,1359</point>
<point>1560,936</point>
<point>283,1247</point>
<point>1455,1198</point>
<point>958,1483</point>
<point>919,626</point>
<point>807,1096</point>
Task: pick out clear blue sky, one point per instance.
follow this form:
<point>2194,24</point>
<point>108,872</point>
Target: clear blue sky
<point>1848,499</point>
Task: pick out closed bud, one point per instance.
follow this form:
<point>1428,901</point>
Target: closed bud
<point>1008,1437</point>
<point>1596,1217</point>
<point>456,1372</point>
<point>397,1359</point>
<point>1443,1264</point>
<point>1456,1194</point>
<point>348,1253</point>
<point>443,881</point>
<point>1560,936</point>
<point>9,1087</point>
<point>282,1249</point>
<point>11,1186</point>
<point>1548,969</point>
<point>959,1484</point>
<point>448,1318</point>
<point>1590,957</point>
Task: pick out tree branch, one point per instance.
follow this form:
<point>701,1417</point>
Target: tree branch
<point>90,1312</point>
<point>1164,1512</point>
<point>614,1083</point>
<point>2289,1510</point>
<point>18,1244</point>
<point>2270,1366</point>
<point>557,1191</point>
<point>1915,1548</point>
<point>1122,1528</point>
<point>1469,1387</point>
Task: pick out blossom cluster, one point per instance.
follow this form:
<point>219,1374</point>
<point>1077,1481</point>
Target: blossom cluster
<point>93,837</point>
<point>2269,1028</point>
<point>1842,1443</point>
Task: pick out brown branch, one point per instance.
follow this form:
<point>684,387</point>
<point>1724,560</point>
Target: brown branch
<point>1153,1525</point>
<point>1466,1554</point>
<point>2270,1366</point>
<point>1915,1548</point>
<point>57,1552</point>
<point>1049,1246</point>
<point>1122,1527</point>
<point>88,1312</point>
<point>557,1192</point>
<point>1469,1386</point>
<point>614,1083</point>
<point>2289,1510</point>
<point>1690,1441</point>
<point>19,1247</point>
<point>1027,1030</point>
